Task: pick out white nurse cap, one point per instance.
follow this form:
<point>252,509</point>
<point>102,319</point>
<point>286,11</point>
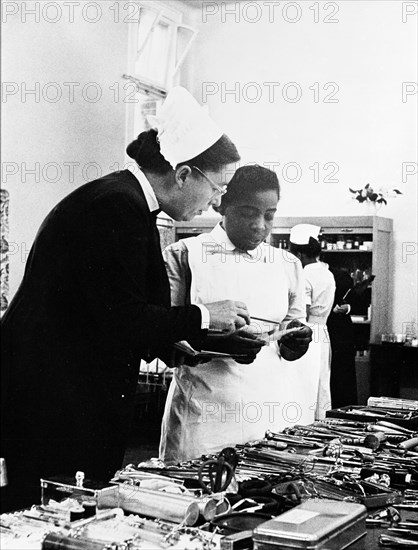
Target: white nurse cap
<point>301,233</point>
<point>185,129</point>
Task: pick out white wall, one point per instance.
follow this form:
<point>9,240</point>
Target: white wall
<point>37,130</point>
<point>368,133</point>
<point>44,46</point>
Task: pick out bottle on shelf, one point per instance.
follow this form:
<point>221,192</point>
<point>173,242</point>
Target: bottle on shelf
<point>340,244</point>
<point>410,331</point>
<point>330,244</point>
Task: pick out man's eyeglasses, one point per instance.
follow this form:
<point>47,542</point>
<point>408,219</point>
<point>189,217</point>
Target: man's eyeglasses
<point>218,188</point>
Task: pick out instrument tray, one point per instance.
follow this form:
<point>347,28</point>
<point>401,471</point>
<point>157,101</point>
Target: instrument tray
<point>314,525</point>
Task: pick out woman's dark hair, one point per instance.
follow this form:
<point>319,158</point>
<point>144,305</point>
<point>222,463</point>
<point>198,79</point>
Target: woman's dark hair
<point>248,180</point>
<point>145,150</point>
<point>312,250</point>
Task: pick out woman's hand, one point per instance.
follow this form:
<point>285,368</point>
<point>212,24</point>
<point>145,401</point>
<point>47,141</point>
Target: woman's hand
<point>294,345</point>
<point>239,343</point>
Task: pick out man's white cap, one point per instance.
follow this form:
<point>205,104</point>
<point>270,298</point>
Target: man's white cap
<point>301,233</point>
<point>184,127</point>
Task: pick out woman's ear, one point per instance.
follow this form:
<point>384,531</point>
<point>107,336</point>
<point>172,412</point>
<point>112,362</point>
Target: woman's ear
<point>181,174</point>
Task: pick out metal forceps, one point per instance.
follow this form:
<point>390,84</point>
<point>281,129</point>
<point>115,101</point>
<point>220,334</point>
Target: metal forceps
<point>220,474</point>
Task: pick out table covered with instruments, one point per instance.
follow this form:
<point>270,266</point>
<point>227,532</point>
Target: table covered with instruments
<point>349,481</point>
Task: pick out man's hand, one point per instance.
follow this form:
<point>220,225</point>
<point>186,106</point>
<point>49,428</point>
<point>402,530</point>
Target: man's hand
<point>296,344</point>
<point>238,343</point>
<point>179,359</point>
<point>344,309</point>
<point>361,287</point>
<point>228,315</point>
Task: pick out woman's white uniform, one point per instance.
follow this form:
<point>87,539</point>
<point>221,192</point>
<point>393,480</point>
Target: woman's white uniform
<point>223,403</point>
<point>320,290</point>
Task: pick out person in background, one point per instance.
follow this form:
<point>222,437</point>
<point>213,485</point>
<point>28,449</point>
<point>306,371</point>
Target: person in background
<point>343,350</point>
<point>320,290</point>
<point>342,335</point>
<point>95,300</point>
<point>229,401</point>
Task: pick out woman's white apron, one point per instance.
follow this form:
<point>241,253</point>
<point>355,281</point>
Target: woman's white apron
<point>223,403</point>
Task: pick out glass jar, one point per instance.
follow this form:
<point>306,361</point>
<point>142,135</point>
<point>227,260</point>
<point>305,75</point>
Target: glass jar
<point>340,243</point>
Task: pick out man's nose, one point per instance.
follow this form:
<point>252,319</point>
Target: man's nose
<point>259,223</point>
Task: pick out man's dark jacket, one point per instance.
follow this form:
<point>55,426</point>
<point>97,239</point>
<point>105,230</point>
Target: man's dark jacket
<point>94,300</point>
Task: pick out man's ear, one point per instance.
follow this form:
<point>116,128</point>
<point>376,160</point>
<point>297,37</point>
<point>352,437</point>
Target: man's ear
<point>181,174</point>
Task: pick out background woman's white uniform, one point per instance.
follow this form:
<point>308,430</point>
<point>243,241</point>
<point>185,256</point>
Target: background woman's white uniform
<point>223,403</point>
<point>320,290</point>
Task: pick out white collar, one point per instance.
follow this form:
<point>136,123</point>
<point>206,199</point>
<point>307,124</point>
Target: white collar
<point>220,236</point>
<point>317,265</point>
<point>150,196</point>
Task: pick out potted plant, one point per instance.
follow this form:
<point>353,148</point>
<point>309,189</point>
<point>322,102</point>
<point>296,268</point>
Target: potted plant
<point>370,196</point>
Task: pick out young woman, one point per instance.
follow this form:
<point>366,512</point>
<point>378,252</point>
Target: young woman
<point>225,402</point>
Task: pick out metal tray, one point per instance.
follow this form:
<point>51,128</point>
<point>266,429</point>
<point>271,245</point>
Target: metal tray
<point>314,525</point>
<point>353,412</point>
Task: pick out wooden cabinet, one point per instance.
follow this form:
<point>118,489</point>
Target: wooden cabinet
<point>200,224</point>
<point>372,256</point>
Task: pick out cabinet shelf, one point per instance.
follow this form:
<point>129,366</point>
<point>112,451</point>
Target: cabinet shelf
<point>356,251</point>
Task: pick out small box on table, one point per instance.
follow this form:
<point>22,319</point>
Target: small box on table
<point>314,525</point>
<point>90,495</point>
